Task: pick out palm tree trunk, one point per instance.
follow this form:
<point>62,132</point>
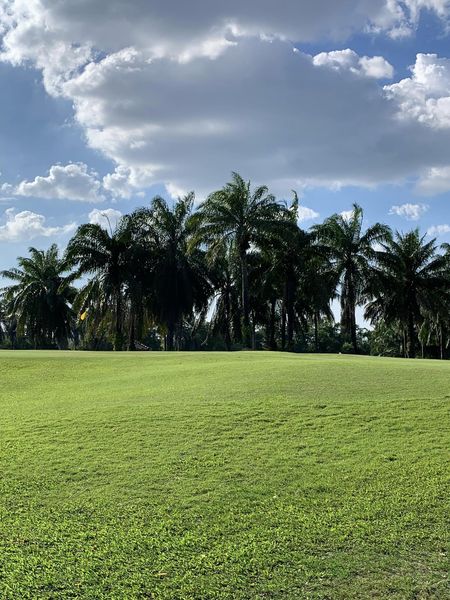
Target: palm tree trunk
<point>348,311</point>
<point>136,319</point>
<point>118,337</point>
<point>132,333</point>
<point>227,338</point>
<point>246,332</point>
<point>354,331</point>
<point>290,313</point>
<point>253,331</point>
<point>411,337</point>
<point>227,318</point>
<point>170,336</point>
<point>271,337</point>
<point>316,332</point>
<point>283,324</point>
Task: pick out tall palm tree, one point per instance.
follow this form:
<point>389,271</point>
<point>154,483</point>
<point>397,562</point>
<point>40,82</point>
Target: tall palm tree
<point>3,320</point>
<point>244,218</point>
<point>105,256</point>
<point>224,305</point>
<point>179,281</point>
<point>410,282</point>
<point>351,250</point>
<point>40,299</point>
<point>317,290</point>
<point>267,282</point>
<point>286,257</point>
<point>8,325</point>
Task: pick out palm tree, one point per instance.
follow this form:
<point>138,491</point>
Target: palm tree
<point>179,281</point>
<point>2,321</point>
<point>351,250</point>
<point>105,256</point>
<point>317,290</point>
<point>286,256</point>
<point>8,325</point>
<point>224,305</point>
<point>410,282</point>
<point>242,217</point>
<point>40,299</point>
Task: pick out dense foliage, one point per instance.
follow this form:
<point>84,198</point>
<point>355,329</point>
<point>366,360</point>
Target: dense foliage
<point>235,272</point>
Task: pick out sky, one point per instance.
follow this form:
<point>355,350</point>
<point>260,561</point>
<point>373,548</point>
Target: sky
<point>106,103</point>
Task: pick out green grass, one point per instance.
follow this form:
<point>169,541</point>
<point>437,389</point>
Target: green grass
<point>231,476</point>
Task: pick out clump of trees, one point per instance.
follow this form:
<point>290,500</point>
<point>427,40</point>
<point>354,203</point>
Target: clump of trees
<point>235,272</point>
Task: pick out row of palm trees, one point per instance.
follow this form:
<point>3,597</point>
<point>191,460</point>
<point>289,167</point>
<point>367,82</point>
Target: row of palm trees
<point>239,268</point>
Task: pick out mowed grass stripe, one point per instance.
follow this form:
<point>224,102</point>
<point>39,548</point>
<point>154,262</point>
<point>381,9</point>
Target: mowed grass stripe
<point>213,475</point>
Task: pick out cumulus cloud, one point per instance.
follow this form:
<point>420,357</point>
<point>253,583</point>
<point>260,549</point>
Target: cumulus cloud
<point>27,225</point>
<point>69,182</point>
<point>425,96</point>
<point>107,218</point>
<point>375,66</point>
<point>435,181</point>
<point>260,108</point>
<point>181,94</point>
<point>411,212</point>
<point>118,183</point>
<point>306,214</point>
<point>438,230</point>
<point>60,37</point>
<point>176,192</point>
<point>126,182</point>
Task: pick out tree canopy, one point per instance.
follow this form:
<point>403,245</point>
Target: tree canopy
<point>236,271</point>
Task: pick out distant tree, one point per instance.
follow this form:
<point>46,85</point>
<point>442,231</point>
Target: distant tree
<point>224,305</point>
<point>179,280</point>
<point>287,255</point>
<point>351,251</point>
<point>106,257</point>
<point>386,340</point>
<point>39,301</point>
<point>242,217</point>
<point>316,291</point>
<point>409,282</point>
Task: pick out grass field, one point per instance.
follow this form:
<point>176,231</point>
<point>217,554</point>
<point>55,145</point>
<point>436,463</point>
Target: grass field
<point>231,476</point>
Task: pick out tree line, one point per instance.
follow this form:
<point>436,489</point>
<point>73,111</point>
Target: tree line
<point>235,272</point>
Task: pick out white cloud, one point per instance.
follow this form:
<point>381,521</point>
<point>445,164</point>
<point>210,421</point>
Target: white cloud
<point>7,189</point>
<point>425,96</point>
<point>62,36</point>
<point>347,214</point>
<point>69,182</point>
<point>400,19</point>
<point>126,182</point>
<point>435,181</point>
<point>107,218</point>
<point>376,66</point>
<point>181,94</point>
<point>118,183</point>
<point>438,230</point>
<point>306,214</point>
<point>411,212</point>
<point>27,225</point>
<point>176,192</point>
<point>259,108</point>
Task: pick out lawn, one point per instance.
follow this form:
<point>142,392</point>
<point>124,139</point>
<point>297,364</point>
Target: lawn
<point>234,476</point>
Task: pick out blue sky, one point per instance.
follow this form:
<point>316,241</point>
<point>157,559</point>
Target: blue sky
<point>94,117</point>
